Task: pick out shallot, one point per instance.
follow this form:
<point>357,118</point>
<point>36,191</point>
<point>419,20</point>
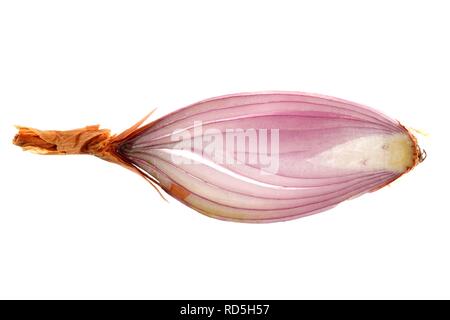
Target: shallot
<point>253,157</point>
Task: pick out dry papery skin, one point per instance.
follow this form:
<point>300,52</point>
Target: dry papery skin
<point>88,140</point>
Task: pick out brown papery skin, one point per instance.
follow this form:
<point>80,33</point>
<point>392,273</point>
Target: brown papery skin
<point>88,140</point>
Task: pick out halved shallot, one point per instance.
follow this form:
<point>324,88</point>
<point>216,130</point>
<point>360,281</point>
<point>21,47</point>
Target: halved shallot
<point>253,157</point>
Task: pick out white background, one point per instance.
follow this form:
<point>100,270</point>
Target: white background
<point>78,227</point>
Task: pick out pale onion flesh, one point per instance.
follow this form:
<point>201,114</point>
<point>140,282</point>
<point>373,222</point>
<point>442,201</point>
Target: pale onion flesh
<point>329,150</point>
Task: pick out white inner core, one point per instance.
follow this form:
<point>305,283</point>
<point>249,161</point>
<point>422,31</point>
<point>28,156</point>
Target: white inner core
<point>389,152</point>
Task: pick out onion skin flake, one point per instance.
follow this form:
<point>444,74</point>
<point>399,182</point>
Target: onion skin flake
<point>252,157</point>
